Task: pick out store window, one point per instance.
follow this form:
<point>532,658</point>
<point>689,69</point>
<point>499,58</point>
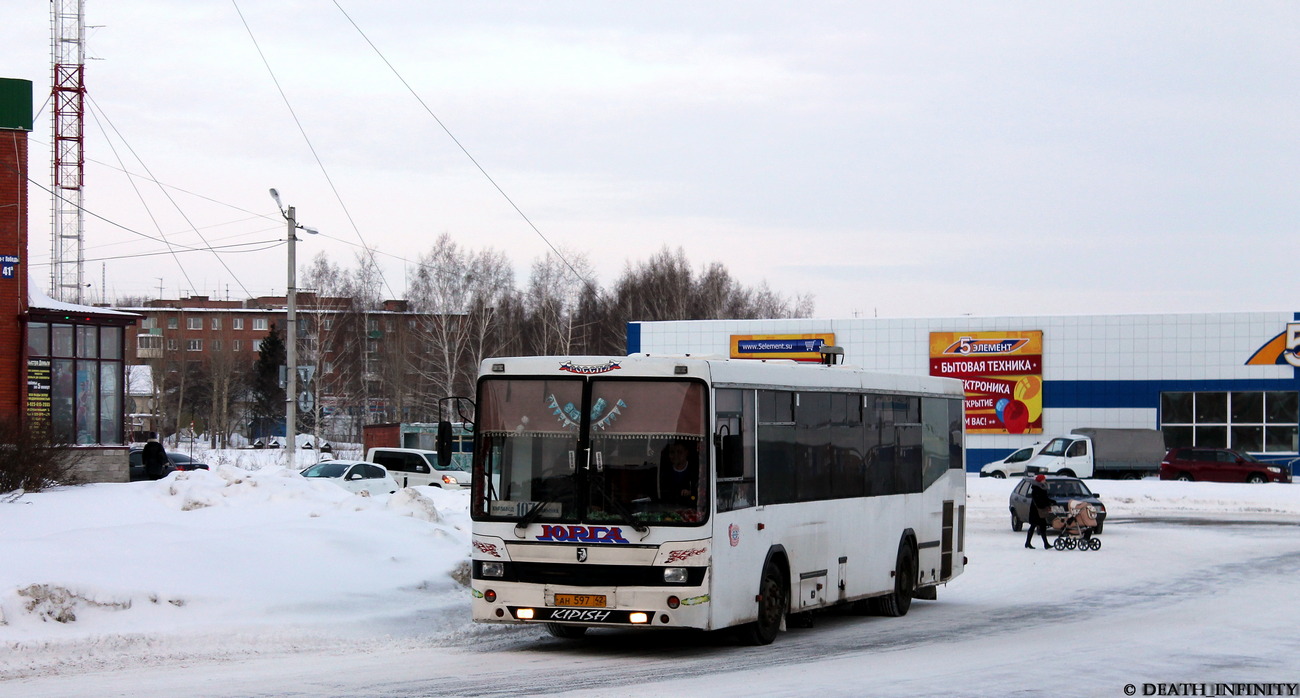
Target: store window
<point>74,381</point>
<point>1251,421</point>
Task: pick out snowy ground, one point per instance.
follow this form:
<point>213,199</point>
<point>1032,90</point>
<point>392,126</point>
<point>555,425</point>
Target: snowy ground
<point>252,580</point>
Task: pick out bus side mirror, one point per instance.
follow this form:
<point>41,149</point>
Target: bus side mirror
<point>444,444</point>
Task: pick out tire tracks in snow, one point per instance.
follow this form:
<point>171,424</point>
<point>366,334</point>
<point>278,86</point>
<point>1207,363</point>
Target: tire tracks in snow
<point>628,659</point>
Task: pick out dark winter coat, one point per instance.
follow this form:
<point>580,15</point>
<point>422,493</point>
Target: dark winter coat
<point>154,459</point>
<point>1040,504</point>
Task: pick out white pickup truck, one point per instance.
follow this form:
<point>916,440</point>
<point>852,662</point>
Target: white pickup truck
<point>1127,454</point>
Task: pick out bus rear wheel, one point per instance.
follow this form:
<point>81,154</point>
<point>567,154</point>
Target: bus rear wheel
<point>566,632</point>
<point>898,603</point>
<point>773,602</point>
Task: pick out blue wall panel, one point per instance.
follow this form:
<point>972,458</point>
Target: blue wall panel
<point>633,337</point>
<point>1144,394</point>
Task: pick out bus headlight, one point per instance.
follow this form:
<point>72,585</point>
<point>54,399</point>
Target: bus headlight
<point>524,614</point>
<point>492,569</point>
<point>638,617</point>
<point>675,575</point>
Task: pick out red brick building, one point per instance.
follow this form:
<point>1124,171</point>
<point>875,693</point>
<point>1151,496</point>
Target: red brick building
<point>61,364</point>
<point>15,122</point>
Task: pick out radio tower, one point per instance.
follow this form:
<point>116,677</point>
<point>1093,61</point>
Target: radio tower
<point>68,53</point>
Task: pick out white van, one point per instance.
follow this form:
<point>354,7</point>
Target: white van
<point>412,467</point>
<point>1013,464</point>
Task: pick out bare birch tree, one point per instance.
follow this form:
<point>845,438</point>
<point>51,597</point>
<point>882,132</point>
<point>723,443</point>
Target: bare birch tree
<point>555,287</point>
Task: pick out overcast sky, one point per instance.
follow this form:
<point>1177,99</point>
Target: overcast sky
<point>892,159</point>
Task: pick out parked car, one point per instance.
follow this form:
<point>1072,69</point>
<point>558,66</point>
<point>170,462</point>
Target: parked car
<point>1220,465</point>
<point>179,461</point>
<point>354,476</point>
<point>1013,464</point>
<point>1062,490</point>
<point>416,466</point>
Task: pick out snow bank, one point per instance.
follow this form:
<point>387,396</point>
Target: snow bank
<point>226,551</point>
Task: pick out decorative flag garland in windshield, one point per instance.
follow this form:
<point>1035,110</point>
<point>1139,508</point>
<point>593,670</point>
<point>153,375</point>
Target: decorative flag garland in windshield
<point>568,416</point>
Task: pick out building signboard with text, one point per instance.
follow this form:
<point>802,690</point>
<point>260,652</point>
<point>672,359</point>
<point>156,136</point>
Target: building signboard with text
<point>1003,377</point>
<point>800,347</point>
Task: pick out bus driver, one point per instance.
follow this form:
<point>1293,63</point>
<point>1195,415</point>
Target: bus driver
<point>679,475</point>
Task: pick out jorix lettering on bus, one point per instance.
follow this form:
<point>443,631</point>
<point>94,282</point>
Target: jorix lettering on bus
<point>583,534</point>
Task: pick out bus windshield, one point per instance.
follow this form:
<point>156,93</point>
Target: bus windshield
<point>629,452</point>
<point>647,450</point>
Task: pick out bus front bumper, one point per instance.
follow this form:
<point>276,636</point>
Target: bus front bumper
<point>683,607</point>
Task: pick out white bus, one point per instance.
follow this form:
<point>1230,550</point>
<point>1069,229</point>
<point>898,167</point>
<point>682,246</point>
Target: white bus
<point>685,492</point>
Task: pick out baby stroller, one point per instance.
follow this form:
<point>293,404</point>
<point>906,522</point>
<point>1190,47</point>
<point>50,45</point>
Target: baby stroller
<point>1074,527</point>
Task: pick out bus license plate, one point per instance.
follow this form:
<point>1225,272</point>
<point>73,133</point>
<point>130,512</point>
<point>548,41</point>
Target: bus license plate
<point>581,600</point>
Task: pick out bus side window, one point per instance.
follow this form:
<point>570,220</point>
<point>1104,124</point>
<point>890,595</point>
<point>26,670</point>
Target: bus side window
<point>734,452</point>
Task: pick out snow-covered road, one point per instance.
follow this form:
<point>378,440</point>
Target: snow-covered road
<point>1195,583</point>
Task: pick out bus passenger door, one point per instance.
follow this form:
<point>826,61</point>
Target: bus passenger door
<point>740,540</point>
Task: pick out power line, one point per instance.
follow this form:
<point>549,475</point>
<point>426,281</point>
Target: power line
<point>179,210</point>
<point>463,149</point>
<point>320,163</point>
<point>267,245</point>
<point>188,248</point>
<point>148,211</point>
<point>173,187</point>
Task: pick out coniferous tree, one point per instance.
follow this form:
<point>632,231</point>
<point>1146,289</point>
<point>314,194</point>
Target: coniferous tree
<point>268,396</point>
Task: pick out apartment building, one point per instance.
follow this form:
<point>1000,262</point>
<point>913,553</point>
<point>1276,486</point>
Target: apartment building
<point>359,359</point>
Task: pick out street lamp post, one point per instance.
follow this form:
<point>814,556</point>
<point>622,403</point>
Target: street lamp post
<point>291,332</point>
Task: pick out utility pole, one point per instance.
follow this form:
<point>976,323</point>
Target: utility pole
<point>291,332</point>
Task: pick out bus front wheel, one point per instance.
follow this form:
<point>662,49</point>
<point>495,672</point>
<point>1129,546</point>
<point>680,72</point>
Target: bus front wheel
<point>772,604</point>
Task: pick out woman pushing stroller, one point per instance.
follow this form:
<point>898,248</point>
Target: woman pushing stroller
<point>1040,507</point>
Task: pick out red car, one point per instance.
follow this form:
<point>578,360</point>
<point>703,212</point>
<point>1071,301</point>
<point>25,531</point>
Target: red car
<point>1220,465</point>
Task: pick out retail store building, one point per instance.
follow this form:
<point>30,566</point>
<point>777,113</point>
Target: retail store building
<point>1204,379</point>
<point>61,364</point>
